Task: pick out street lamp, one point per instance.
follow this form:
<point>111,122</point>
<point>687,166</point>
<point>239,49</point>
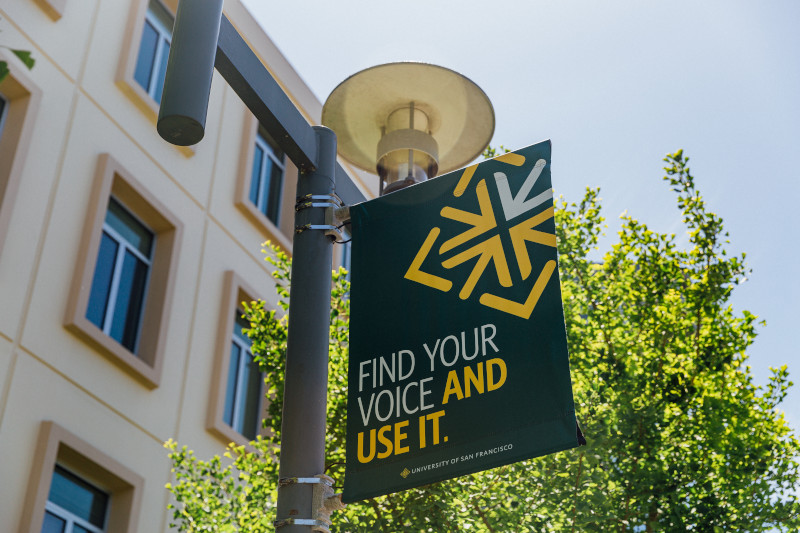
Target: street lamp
<point>409,121</point>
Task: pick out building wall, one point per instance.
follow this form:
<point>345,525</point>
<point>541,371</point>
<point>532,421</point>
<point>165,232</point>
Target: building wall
<point>63,398</point>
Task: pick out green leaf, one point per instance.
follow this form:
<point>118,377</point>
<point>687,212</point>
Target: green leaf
<point>25,57</point>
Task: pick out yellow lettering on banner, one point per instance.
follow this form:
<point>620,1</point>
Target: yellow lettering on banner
<point>522,310</point>
<point>491,383</point>
<point>434,417</point>
<point>494,371</point>
<point>385,441</point>
<point>415,274</point>
<point>384,436</point>
<point>422,431</point>
<point>471,378</point>
<point>453,387</point>
<point>423,422</point>
<point>366,458</point>
<point>399,437</point>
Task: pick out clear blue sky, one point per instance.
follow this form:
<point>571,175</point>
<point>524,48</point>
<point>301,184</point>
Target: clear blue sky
<point>615,85</point>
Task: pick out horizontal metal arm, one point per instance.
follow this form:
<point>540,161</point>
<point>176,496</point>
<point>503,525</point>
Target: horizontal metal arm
<point>259,91</point>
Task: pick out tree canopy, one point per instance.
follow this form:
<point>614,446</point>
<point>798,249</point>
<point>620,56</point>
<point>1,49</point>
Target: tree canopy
<point>680,438</point>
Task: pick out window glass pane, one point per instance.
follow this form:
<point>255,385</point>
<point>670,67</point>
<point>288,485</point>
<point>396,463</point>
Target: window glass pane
<point>230,391</point>
<point>129,227</point>
<point>53,524</point>
<point>3,107</point>
<point>275,190</point>
<point>101,283</point>
<point>162,72</point>
<point>130,299</point>
<point>147,54</point>
<point>255,179</point>
<point>78,529</point>
<point>251,417</point>
<point>78,497</point>
<point>346,258</point>
<point>160,13</point>
<point>241,323</point>
<point>263,201</point>
<point>269,197</point>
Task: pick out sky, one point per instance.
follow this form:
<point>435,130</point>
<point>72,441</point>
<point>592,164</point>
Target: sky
<point>615,86</point>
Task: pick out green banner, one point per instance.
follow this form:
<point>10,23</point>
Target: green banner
<point>458,349</point>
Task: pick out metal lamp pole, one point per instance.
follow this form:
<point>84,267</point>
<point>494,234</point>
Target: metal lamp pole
<point>203,39</point>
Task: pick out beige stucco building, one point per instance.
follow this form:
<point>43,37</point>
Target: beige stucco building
<point>122,262</point>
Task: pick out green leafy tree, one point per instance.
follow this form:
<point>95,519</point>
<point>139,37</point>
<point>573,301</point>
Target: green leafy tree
<point>680,438</point>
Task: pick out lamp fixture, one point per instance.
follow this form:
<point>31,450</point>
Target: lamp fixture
<point>409,121</point>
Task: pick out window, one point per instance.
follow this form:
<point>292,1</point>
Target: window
<point>76,488</point>
<point>125,273</point>
<point>266,182</point>
<point>73,505</point>
<point>245,384</point>
<point>151,62</point>
<point>3,109</point>
<point>347,260</point>
<point>263,174</point>
<point>119,286</point>
<point>237,400</point>
<point>19,104</point>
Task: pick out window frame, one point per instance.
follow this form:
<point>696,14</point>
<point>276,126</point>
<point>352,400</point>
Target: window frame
<point>163,37</point>
<point>263,203</point>
<point>123,246</point>
<point>240,396</point>
<point>112,180</point>
<point>235,291</point>
<point>58,446</point>
<point>126,69</point>
<point>280,233</point>
<point>71,518</point>
<point>23,100</point>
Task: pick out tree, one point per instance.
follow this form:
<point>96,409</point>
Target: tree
<point>680,438</point>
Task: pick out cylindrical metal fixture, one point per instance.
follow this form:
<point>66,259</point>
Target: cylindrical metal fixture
<point>306,381</point>
<point>423,119</point>
<point>184,103</point>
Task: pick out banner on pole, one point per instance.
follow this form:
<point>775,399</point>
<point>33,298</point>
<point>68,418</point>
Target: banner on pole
<point>458,350</point>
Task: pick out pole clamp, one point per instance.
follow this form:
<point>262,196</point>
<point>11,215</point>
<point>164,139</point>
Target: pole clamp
<point>337,216</point>
<point>286,481</point>
<point>323,503</point>
<point>311,200</point>
<point>316,524</point>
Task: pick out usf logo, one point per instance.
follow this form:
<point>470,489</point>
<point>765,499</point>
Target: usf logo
<point>480,243</point>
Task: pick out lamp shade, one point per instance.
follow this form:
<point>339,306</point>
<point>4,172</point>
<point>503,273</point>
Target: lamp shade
<point>439,103</point>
